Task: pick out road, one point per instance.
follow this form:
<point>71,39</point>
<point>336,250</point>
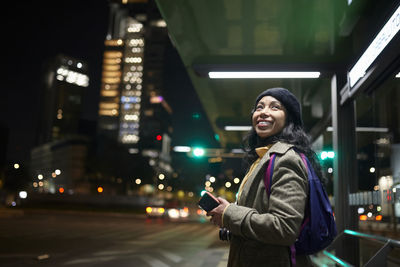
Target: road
<point>74,239</point>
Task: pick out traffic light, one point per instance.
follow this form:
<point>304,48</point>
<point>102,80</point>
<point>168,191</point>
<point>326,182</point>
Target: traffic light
<point>159,137</point>
<point>325,155</point>
<point>198,152</point>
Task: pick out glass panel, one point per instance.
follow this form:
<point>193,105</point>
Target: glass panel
<point>378,158</point>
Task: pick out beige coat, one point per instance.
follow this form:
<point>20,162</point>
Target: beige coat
<point>264,227</point>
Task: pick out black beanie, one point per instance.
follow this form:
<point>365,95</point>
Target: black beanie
<point>288,99</point>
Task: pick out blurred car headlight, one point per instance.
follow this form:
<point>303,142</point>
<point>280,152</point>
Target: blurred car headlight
<point>173,213</point>
<point>184,212</point>
<point>155,211</point>
<point>201,212</point>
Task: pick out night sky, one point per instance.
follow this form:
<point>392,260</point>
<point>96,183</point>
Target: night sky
<point>38,30</point>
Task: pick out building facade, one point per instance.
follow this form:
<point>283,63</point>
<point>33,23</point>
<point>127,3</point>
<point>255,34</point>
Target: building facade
<point>58,161</point>
<point>133,112</point>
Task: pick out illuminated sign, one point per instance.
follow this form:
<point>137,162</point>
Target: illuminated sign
<point>383,38</point>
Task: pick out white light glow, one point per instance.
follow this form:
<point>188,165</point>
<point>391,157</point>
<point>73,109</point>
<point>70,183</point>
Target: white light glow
<point>262,74</point>
<point>383,38</point>
<point>365,129</point>
<point>237,128</point>
<point>237,151</point>
<point>173,213</point>
<point>23,194</point>
<point>182,148</point>
<point>133,150</point>
<point>398,75</point>
<point>184,213</point>
<point>72,77</point>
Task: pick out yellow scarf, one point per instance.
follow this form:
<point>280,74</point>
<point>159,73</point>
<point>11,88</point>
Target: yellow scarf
<point>261,151</point>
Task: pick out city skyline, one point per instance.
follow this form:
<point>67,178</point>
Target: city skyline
<point>77,30</point>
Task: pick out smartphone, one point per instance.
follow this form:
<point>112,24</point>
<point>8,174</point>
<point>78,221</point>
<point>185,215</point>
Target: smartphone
<point>208,202</point>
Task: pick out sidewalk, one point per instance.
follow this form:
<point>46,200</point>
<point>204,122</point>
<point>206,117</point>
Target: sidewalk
<point>215,256</point>
<point>218,257</point>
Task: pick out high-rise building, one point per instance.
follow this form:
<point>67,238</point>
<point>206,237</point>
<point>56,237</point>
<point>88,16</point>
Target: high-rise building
<point>122,79</point>
<point>58,161</point>
<point>132,109</point>
<point>65,81</point>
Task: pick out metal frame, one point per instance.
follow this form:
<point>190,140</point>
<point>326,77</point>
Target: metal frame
<point>379,259</point>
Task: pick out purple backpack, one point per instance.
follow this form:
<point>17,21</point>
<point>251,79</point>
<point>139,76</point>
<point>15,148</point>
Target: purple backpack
<point>318,228</point>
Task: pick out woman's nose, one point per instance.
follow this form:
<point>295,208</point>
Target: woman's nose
<point>265,111</point>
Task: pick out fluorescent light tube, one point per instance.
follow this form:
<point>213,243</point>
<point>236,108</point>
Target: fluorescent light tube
<point>364,129</point>
<point>182,148</point>
<point>262,74</point>
<point>383,38</point>
<point>237,128</point>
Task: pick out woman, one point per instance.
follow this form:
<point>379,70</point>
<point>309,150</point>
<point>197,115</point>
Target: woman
<point>263,228</point>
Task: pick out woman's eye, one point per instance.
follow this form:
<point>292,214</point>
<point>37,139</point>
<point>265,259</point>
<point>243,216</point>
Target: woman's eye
<point>259,107</point>
<point>276,107</point>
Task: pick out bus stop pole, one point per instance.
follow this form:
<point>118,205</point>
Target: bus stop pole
<point>345,178</point>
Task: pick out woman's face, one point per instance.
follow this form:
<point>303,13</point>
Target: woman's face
<point>269,117</point>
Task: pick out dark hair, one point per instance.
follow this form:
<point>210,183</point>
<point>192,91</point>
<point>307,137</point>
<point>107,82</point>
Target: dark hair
<point>293,134</point>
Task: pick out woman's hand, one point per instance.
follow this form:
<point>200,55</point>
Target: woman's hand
<point>216,214</point>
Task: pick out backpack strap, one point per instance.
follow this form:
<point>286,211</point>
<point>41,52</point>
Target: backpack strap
<point>268,174</point>
<point>270,171</point>
<point>268,182</point>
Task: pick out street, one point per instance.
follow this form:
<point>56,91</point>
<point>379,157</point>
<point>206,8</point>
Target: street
<point>46,238</point>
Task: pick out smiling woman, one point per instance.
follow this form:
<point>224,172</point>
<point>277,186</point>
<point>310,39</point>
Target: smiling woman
<point>261,228</point>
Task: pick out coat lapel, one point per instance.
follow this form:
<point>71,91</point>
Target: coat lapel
<point>279,148</point>
<point>253,175</point>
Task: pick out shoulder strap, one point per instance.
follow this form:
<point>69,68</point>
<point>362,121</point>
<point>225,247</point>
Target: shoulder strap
<point>270,171</point>
<point>268,174</point>
<point>267,183</point>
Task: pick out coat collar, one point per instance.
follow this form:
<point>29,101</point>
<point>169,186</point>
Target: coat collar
<point>278,148</point>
